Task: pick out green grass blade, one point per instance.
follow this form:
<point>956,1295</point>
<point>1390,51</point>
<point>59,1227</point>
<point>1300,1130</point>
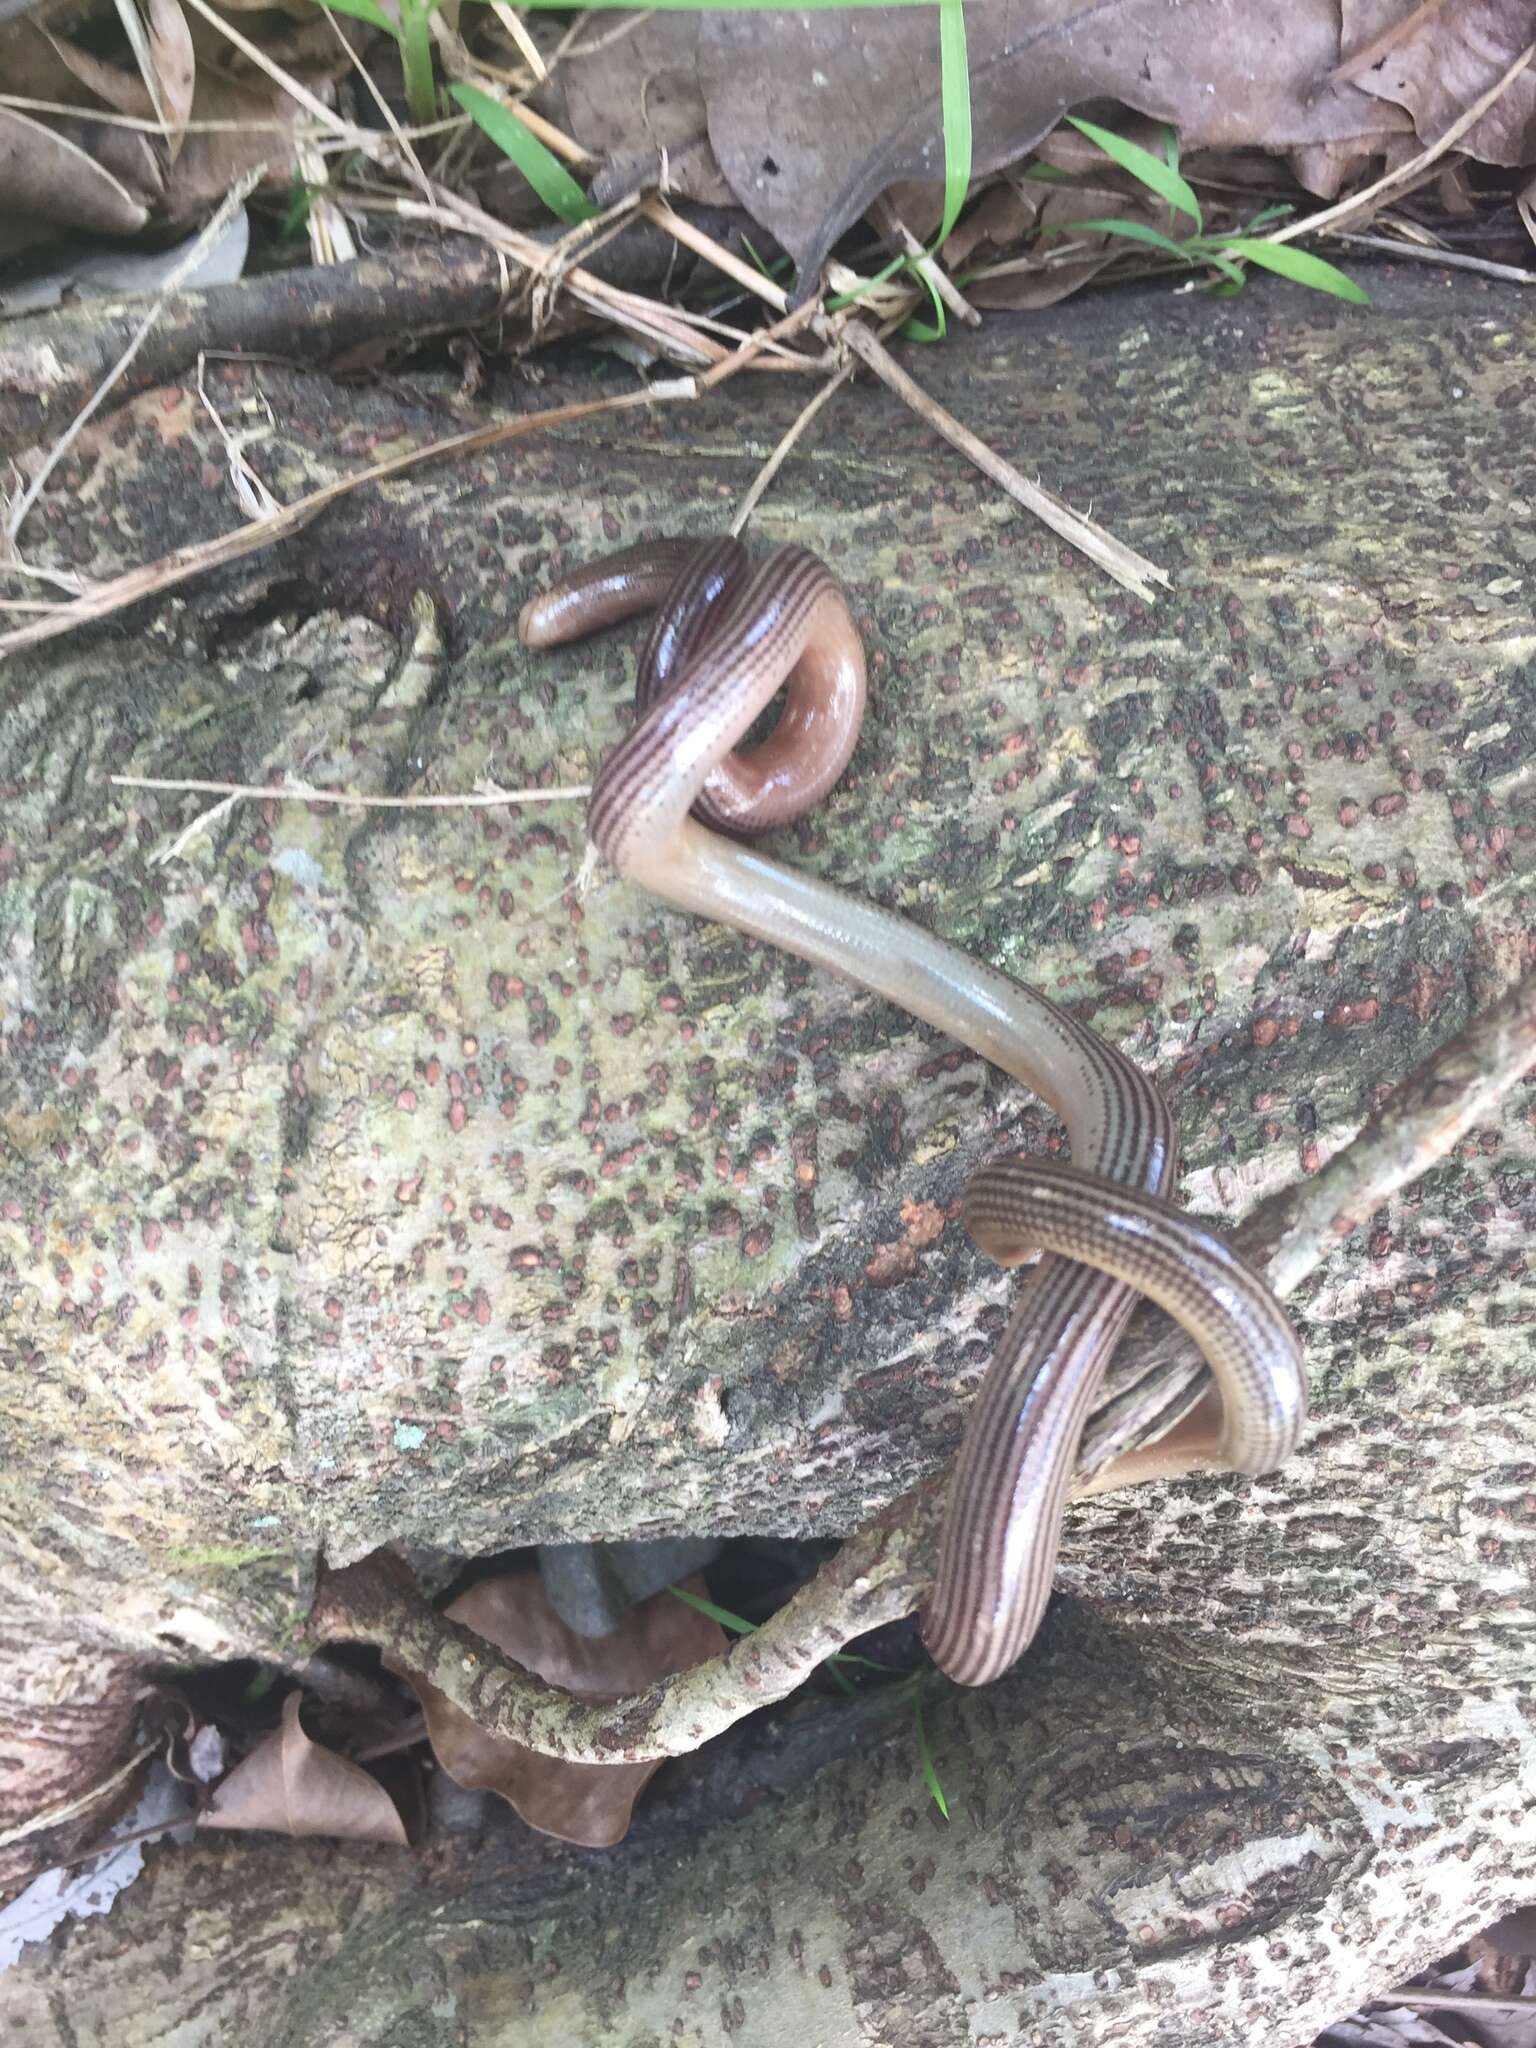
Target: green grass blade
<point>1236,277</point>
<point>1147,169</point>
<point>768,269</point>
<point>416,62</point>
<point>840,1679</point>
<point>544,172</point>
<point>925,1758</point>
<point>1299,265</point>
<point>840,299</point>
<point>955,95</point>
<point>724,6</point>
<point>927,330</point>
<point>723,1615</point>
<point>1131,230</point>
<point>364,10</point>
<point>296,219</point>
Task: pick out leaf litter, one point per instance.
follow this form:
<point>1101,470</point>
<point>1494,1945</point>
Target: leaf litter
<point>590,1804</point>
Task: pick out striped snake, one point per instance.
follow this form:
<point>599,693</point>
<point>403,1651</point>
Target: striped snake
<point>724,639</point>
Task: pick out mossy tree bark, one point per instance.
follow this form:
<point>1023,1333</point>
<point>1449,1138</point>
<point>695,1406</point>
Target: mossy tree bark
<point>365,1185</point>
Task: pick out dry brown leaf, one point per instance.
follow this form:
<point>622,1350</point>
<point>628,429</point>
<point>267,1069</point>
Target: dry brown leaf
<point>200,77</point>
<point>123,153</point>
<point>44,173</point>
<point>1058,260</point>
<point>665,120</point>
<point>1452,55</point>
<point>294,1787</point>
<point>1002,216</point>
<point>124,91</point>
<point>811,116</point>
<point>170,41</point>
<point>590,1804</point>
<point>1043,282</point>
<point>31,66</point>
<point>209,165</point>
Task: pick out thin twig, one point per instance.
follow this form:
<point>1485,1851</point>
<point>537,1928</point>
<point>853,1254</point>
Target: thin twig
<point>232,793</point>
<point>694,238</point>
<point>568,47</point>
<point>554,139</point>
<point>224,214</point>
<point>385,109</point>
<point>882,1572</point>
<point>41,572</point>
<point>891,223</point>
<point>251,493</point>
<point>99,117</point>
<point>326,116</point>
<point>1113,556</point>
<point>353,799</point>
<point>113,1843</point>
<point>763,342</point>
<point>1158,1371</point>
<point>654,324</point>
<point>1406,174</point>
<point>79,1802</point>
<point>1449,259</point>
<point>1460,1085</point>
<point>517,29</point>
<point>1458,2001</point>
<point>183,564</point>
<point>775,462</point>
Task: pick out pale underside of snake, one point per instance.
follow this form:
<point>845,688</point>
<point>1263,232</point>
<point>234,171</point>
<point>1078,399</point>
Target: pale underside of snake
<point>724,640</point>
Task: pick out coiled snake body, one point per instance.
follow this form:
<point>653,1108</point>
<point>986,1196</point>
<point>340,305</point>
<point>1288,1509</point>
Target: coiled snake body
<point>725,638</point>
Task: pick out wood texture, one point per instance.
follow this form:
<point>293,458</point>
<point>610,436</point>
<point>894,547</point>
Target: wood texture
<point>363,1185</point>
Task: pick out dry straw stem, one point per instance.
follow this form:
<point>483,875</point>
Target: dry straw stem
<point>1127,567</point>
<point>134,585</point>
<point>1446,259</point>
<point>489,797</point>
<point>325,115</point>
<point>1471,2002</point>
<point>232,202</point>
<point>395,129</point>
<point>1407,174</point>
<point>661,215</point>
<point>882,1572</point>
<point>892,223</point>
<point>768,338</point>
<point>528,49</point>
<point>651,323</point>
<point>79,1802</point>
<point>777,459</point>
<point>184,563</point>
<point>99,117</point>
<point>352,799</point>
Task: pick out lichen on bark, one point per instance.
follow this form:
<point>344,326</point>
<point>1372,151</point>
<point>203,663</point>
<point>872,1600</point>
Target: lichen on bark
<point>367,1185</point>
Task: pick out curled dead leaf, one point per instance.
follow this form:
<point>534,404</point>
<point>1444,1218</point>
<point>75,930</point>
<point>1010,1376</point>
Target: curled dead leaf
<point>295,1787</point>
<point>44,173</point>
<point>170,42</point>
<point>812,116</point>
<point>1434,61</point>
<point>124,91</point>
<point>590,1804</point>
